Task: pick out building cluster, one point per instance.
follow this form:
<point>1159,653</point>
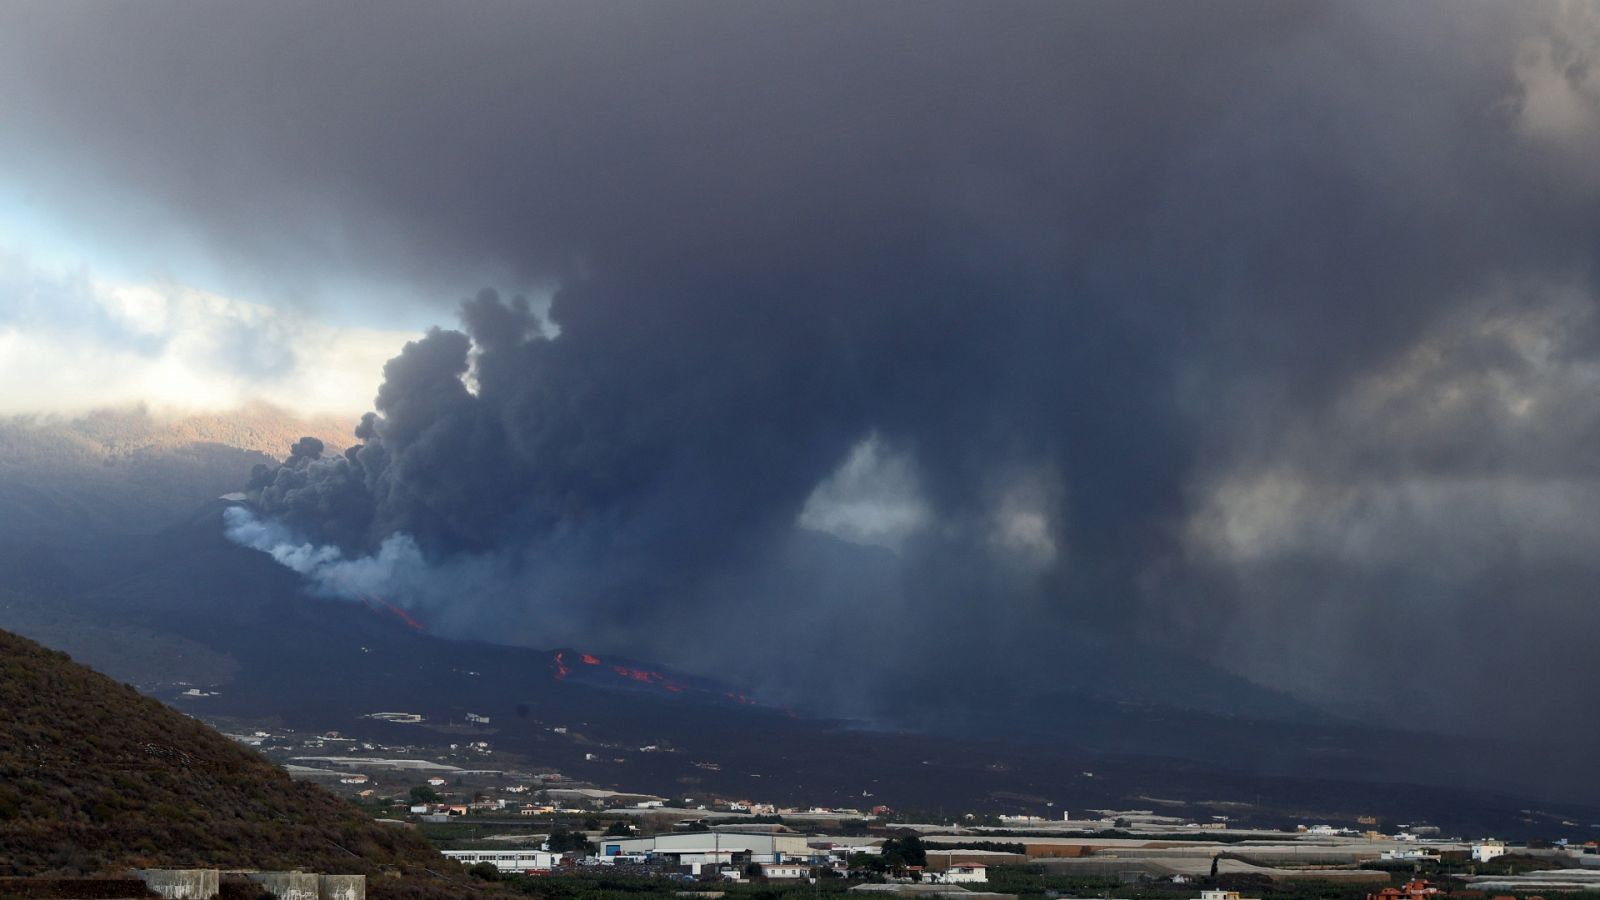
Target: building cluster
<point>731,856</point>
<point>1103,843</point>
<point>488,806</point>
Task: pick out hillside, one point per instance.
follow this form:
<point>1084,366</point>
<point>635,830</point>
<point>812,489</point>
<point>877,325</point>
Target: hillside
<point>134,471</point>
<point>95,777</point>
<point>80,493</point>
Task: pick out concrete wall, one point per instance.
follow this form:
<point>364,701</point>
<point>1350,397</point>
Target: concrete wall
<point>181,884</point>
<point>290,885</point>
<point>343,887</point>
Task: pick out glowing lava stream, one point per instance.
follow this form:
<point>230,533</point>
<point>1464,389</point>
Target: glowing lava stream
<point>643,676</point>
<point>377,604</point>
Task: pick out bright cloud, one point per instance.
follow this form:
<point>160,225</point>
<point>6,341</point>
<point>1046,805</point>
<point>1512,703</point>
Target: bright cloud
<point>873,498</point>
<point>71,341</point>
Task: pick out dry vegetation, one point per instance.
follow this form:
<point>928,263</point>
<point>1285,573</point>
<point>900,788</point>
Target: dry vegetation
<point>95,777</point>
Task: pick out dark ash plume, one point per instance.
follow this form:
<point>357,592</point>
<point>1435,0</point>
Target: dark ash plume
<point>897,341</point>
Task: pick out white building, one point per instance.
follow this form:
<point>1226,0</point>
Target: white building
<point>960,874</point>
<point>1410,853</point>
<point>613,860</point>
<point>697,850</point>
<point>524,861</point>
<point>845,851</point>
<point>1483,851</point>
<point>785,870</point>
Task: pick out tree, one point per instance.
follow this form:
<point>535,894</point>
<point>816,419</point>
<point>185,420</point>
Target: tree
<point>619,828</point>
<point>563,840</point>
<point>869,861</point>
<point>900,853</point>
<point>424,794</point>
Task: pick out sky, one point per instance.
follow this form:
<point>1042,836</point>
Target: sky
<point>1261,334</point>
<point>73,339</point>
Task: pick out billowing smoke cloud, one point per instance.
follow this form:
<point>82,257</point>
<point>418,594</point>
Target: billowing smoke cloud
<point>884,342</point>
<point>396,567</point>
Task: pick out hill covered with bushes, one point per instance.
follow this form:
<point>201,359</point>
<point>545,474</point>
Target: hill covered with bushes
<point>95,777</point>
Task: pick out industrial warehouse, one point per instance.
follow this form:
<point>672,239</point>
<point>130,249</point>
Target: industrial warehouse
<point>735,856</point>
<point>1364,859</point>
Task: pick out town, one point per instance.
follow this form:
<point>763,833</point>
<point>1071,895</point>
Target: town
<point>504,819</point>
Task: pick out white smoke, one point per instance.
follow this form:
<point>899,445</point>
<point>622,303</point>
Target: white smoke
<point>399,574</point>
<point>388,574</point>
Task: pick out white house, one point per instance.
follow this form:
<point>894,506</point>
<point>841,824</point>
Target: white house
<point>1410,853</point>
<point>961,874</point>
<point>785,870</point>
<point>1483,851</point>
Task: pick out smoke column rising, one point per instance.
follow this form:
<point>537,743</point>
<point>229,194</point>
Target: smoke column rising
<point>897,343</point>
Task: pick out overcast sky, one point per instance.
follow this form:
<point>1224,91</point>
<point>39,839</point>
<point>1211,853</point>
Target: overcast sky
<point>1265,331</point>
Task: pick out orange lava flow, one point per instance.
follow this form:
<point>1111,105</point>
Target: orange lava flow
<point>643,676</point>
<point>404,617</point>
<point>374,604</point>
